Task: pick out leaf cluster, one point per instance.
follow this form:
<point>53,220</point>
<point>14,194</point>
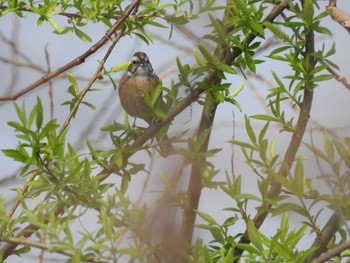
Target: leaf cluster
<point>71,184</point>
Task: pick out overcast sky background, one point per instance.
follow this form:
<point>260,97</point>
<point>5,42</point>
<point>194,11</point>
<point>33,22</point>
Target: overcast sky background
<point>331,105</point>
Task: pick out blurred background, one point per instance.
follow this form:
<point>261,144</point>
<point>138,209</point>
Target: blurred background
<point>28,50</point>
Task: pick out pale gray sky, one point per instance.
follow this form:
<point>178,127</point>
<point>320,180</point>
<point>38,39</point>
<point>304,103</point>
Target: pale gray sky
<point>331,102</point>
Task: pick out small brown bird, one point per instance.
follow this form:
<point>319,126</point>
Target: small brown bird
<point>138,79</point>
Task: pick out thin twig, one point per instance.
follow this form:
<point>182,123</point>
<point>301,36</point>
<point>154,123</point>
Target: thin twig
<point>47,57</point>
<point>26,242</point>
<point>9,178</point>
<point>88,86</point>
<point>77,61</point>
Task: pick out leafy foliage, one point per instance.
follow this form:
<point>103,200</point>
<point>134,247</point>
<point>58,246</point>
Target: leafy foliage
<point>64,184</point>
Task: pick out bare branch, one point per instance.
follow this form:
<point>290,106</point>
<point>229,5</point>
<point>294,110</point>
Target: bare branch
<point>322,240</point>
<point>338,15</point>
<point>332,253</point>
<point>77,61</point>
<point>26,242</point>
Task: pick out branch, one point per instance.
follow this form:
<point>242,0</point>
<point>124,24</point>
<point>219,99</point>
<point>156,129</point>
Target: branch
<point>29,230</point>
<point>336,76</point>
<point>322,240</point>
<point>208,114</point>
<point>88,86</point>
<point>77,61</point>
<point>334,13</point>
<point>29,243</point>
<point>195,184</point>
<point>17,63</point>
<point>150,131</point>
<point>332,253</point>
<point>338,15</point>
<point>292,149</point>
<point>84,16</point>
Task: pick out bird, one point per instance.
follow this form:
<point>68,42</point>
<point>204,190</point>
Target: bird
<point>137,80</point>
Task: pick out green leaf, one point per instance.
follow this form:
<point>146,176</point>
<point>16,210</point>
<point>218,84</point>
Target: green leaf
<point>22,250</point>
<point>277,79</point>
<point>308,12</point>
<point>250,62</point>
<point>19,154</point>
<point>125,183</point>
<point>289,207</point>
<point>76,258</point>
<point>120,67</point>
<point>257,27</point>
<point>154,95</point>
<point>292,24</point>
<point>156,24</point>
<point>217,95</point>
<point>331,51</point>
<point>90,105</point>
<point>328,146</point>
<point>199,60</point>
<point>32,116</point>
<point>226,68</point>
<point>21,113</point>
<point>179,20</point>
<point>206,54</point>
<point>39,114</point>
<point>254,235</point>
<point>285,222</point>
<point>250,130</point>
<point>279,50</point>
<point>230,221</point>
<point>217,234</point>
<point>284,182</point>
<point>217,25</point>
<point>343,152</point>
<point>299,179</point>
<point>318,152</point>
<point>87,169</point>
<point>277,32</point>
<point>201,139</point>
<point>236,91</point>
<point>249,248</point>
<point>323,30</point>
<point>282,250</point>
<point>318,69</point>
<point>246,197</point>
<point>118,157</point>
<point>206,217</point>
<point>67,232</point>
<point>323,77</point>
<point>116,126</point>
<point>82,35</point>
<point>264,117</point>
<point>243,144</point>
<point>137,168</point>
<point>55,26</point>
<point>18,126</point>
